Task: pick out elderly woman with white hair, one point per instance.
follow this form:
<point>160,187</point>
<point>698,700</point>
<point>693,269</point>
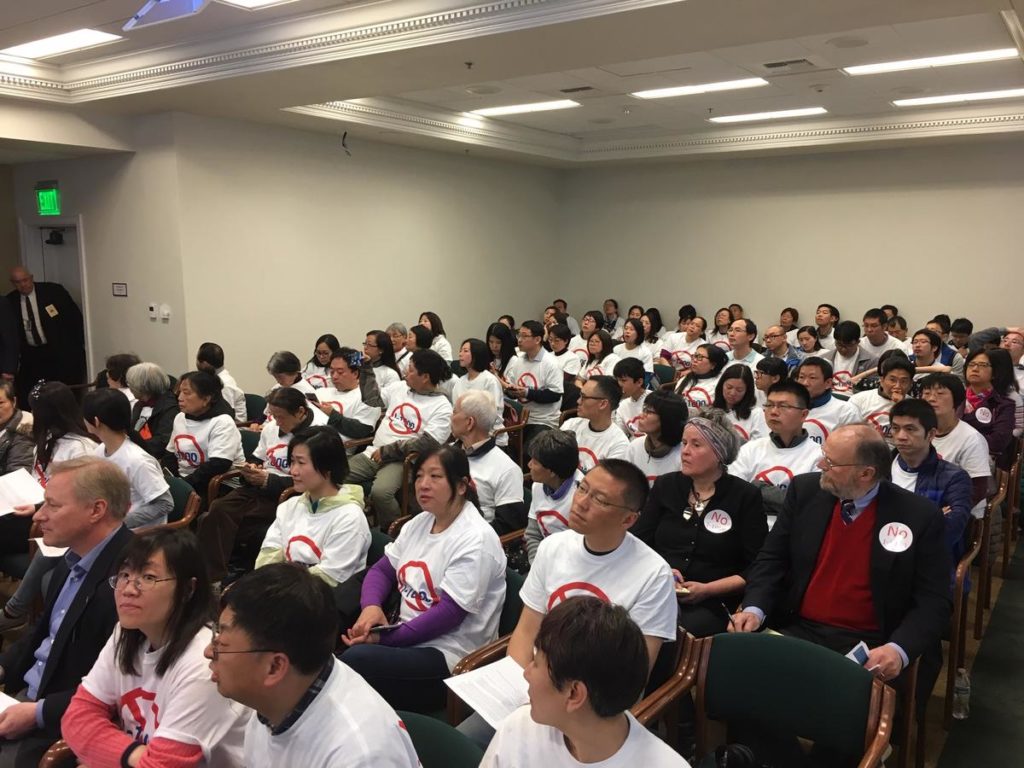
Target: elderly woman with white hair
<point>707,524</point>
<point>154,410</point>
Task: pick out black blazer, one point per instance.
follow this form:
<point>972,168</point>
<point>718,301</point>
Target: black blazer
<point>83,633</point>
<point>10,339</point>
<point>910,589</point>
<point>65,332</point>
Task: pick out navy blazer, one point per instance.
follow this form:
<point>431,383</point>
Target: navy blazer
<point>910,589</point>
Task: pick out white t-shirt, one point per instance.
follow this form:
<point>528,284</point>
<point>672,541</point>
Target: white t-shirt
<point>232,394</point>
<point>194,442</point>
<point>602,368</point>
<point>66,448</point>
<point>335,539</point>
<point>402,358</point>
<point>627,415</point>
<point>967,448</point>
<point>466,562</point>
<point>317,376</point>
<point>552,514</point>
<point>821,421</point>
<point>905,480</point>
<point>348,723</point>
<point>593,446</point>
<point>578,346</point>
<point>183,705</point>
<point>498,479</point>
<point>641,352</point>
<point>633,576</point>
<point>720,340</point>
<point>829,341</point>
<point>443,347</point>
<point>751,428</point>
<point>681,349</point>
<point>132,399</point>
<point>272,449</point>
<point>408,414</point>
<point>144,474</point>
<point>873,408</point>
<point>891,342</point>
<point>349,404</point>
<point>569,363</point>
<point>651,467</point>
<point>762,460</point>
<point>385,376</point>
<point>700,393</point>
<point>750,359</point>
<point>842,372</point>
<point>543,372</point>
<point>522,743</point>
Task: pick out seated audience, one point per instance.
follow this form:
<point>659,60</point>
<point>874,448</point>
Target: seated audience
<point>736,396</point>
<point>826,318</point>
<point>579,703</point>
<point>273,650</point>
<point>706,523</point>
<point>561,306</point>
<point>316,371</point>
<point>719,334</point>
<point>17,449</point>
<point>286,370</point>
<point>612,322</point>
<point>789,323</point>
<point>498,479</point>
<point>698,386</point>
<point>534,378</point>
<point>960,331</point>
<point>633,345</point>
<point>629,374</point>
<point>502,345</point>
<point>601,358</point>
<point>678,348</point>
<point>155,407</point>
<point>559,337</point>
<point>768,372</point>
<point>597,437</point>
<point>448,568</point>
<point>553,467</point>
<point>777,345</point>
<point>117,368</point>
<point>378,350</point>
<point>591,323</point>
<point>742,334</point>
<point>656,451</point>
<point>399,335</point>
<point>897,379</point>
<point>475,359</point>
<point>826,412</point>
<point>439,343</point>
<point>148,700</point>
<point>848,358</point>
<point>210,358</point>
<point>807,341</point>
<point>989,406</point>
<point>341,404</point>
<point>1013,342</point>
<point>876,339</point>
<point>897,328</point>
<point>927,349</point>
<point>86,501</point>
<point>323,528</point>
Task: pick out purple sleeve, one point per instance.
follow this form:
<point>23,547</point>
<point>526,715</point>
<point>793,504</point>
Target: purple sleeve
<point>439,619</point>
<point>379,582</point>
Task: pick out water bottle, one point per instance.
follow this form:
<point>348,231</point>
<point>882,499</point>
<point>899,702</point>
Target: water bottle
<point>962,695</point>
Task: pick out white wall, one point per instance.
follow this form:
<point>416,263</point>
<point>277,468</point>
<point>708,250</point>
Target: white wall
<point>933,229</point>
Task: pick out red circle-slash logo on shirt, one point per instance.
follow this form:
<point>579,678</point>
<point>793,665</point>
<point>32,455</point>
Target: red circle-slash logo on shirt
<point>842,380</point>
<point>277,457</point>
<point>682,359</point>
<point>880,421</point>
<point>817,431</point>
<point>303,544</point>
<point>405,419</point>
<point>585,454</point>
<point>633,425</point>
<point>558,523</point>
<point>527,380</point>
<point>139,704</point>
<point>192,455</point>
<point>724,345</point>
<point>418,596</point>
<point>317,381</point>
<point>573,589</point>
<point>699,397</point>
<point>335,405</point>
<point>742,432</point>
<point>778,476</point>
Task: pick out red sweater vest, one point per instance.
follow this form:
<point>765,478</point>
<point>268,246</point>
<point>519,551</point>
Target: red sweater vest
<point>839,593</point>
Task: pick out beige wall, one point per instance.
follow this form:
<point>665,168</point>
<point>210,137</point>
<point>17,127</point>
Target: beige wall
<point>929,229</point>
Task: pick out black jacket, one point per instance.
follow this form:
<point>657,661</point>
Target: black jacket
<point>64,328</point>
<point>160,424</point>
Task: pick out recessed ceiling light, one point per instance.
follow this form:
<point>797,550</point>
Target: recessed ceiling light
<point>961,98</point>
<point>690,90</point>
<point>779,115</point>
<point>483,90</point>
<point>953,59</point>
<point>252,5</point>
<point>518,109</point>
<point>58,44</point>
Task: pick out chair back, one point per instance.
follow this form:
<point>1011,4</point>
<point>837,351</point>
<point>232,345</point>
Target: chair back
<point>786,685</point>
<point>182,494</point>
<point>665,374</point>
<point>255,405</point>
<point>513,606</point>
<point>378,540</point>
<point>250,440</point>
<point>439,745</point>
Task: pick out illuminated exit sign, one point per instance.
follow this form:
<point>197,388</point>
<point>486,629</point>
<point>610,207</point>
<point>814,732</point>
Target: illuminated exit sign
<point>47,198</point>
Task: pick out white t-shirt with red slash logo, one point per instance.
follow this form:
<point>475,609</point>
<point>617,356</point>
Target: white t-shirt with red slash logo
<point>317,376</point>
<point>194,442</point>
<point>349,404</point>
<point>700,393</point>
<point>874,409</point>
<point>822,421</point>
<point>144,474</point>
<point>652,467</point>
<point>543,372</point>
<point>552,514</point>
<point>272,449</point>
<point>628,414</point>
<point>407,414</point>
<point>680,349</point>
<point>182,705</point>
<point>67,448</point>
<point>763,461</point>
<point>633,576</point>
<point>593,446</point>
<point>466,562</point>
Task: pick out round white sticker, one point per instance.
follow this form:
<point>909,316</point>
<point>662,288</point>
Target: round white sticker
<point>983,415</point>
<point>717,521</point>
<point>896,537</point>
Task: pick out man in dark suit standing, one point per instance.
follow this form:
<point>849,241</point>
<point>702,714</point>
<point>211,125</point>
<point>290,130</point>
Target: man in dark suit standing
<point>853,557</point>
<point>86,501</point>
<point>52,336</point>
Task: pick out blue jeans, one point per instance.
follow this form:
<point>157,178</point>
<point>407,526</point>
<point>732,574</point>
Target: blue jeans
<point>408,678</point>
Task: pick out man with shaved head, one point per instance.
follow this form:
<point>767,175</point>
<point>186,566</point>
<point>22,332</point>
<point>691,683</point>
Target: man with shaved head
<point>854,557</point>
<point>52,334</point>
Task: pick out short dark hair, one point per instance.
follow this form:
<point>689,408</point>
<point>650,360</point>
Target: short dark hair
<point>750,327</point>
<point>893,307</point>
<point>876,314</point>
<point>117,366</point>
<point>895,362</point>
<point>204,383</point>
<point>288,398</point>
<point>1003,379</point>
<point>354,359</point>
<point>961,325</point>
<point>607,345</point>
<point>556,450</point>
<point>560,331</point>
<point>744,406</point>
<point>823,365</point>
<point>428,362</point>
<point>831,310</point>
<point>424,336</point>
<point>795,388</point>
<point>934,340</point>
<point>535,327</point>
<point>456,469</point>
<point>716,356</point>
<point>772,366</point>
<point>579,636</point>
<point>913,408</point>
<point>942,321</point>
<point>629,368</point>
<point>613,301</point>
<point>672,411</point>
<point>511,320</point>
<point>326,451</point>
<point>563,302</point>
<point>479,354</point>
<point>285,608</point>
<point>630,475</point>
<point>847,331</point>
<point>608,387</point>
<point>110,406</point>
<point>793,312</point>
<point>898,321</point>
<point>737,305</point>
<point>211,354</point>
<point>687,312</point>
<point>436,326</point>
<point>284,362</point>
<point>945,381</point>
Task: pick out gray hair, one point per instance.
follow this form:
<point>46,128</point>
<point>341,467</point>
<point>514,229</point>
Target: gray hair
<point>95,478</point>
<point>397,328</point>
<point>481,406</point>
<point>718,430</point>
<point>147,380</point>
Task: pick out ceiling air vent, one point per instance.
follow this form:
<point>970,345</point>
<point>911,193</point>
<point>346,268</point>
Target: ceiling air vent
<point>579,89</point>
<point>792,66</point>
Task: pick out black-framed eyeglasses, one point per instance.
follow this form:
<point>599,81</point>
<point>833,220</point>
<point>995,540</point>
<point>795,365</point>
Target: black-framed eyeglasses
<point>216,651</point>
<point>592,397</point>
<point>585,491</point>
<point>699,357</point>
<point>768,406</point>
<point>142,583</point>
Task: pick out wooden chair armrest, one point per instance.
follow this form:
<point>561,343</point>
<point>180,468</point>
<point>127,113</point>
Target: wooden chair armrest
<point>59,755</point>
<point>213,489</point>
<point>513,537</point>
<point>883,735</point>
<point>396,527</point>
<point>679,682</point>
<point>364,441</point>
<point>493,651</point>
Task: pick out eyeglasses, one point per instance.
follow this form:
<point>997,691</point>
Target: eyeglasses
<point>525,335</point>
<point>770,336</point>
<point>216,651</point>
<point>648,409</point>
<point>142,583</point>
<point>368,344</point>
<point>699,356</point>
<point>976,364</point>
<point>829,464</point>
<point>781,406</point>
<point>592,397</point>
<point>584,491</point>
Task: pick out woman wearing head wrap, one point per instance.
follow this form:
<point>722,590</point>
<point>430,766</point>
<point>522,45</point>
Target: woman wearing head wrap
<point>707,524</point>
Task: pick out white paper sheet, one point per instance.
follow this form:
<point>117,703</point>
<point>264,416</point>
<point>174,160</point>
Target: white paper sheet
<point>494,691</point>
<point>6,701</point>
<point>17,489</point>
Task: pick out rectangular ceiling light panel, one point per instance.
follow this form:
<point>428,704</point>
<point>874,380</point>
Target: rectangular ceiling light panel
<point>690,90</point>
<point>952,60</point>
<point>58,44</point>
<point>961,98</point>
<point>519,109</point>
<point>780,115</point>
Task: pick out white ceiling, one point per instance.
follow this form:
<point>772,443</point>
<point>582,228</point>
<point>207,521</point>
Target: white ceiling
<point>395,70</point>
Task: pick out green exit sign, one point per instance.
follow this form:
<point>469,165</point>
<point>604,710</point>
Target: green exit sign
<point>48,201</point>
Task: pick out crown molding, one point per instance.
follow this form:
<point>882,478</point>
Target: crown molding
<point>280,49</point>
